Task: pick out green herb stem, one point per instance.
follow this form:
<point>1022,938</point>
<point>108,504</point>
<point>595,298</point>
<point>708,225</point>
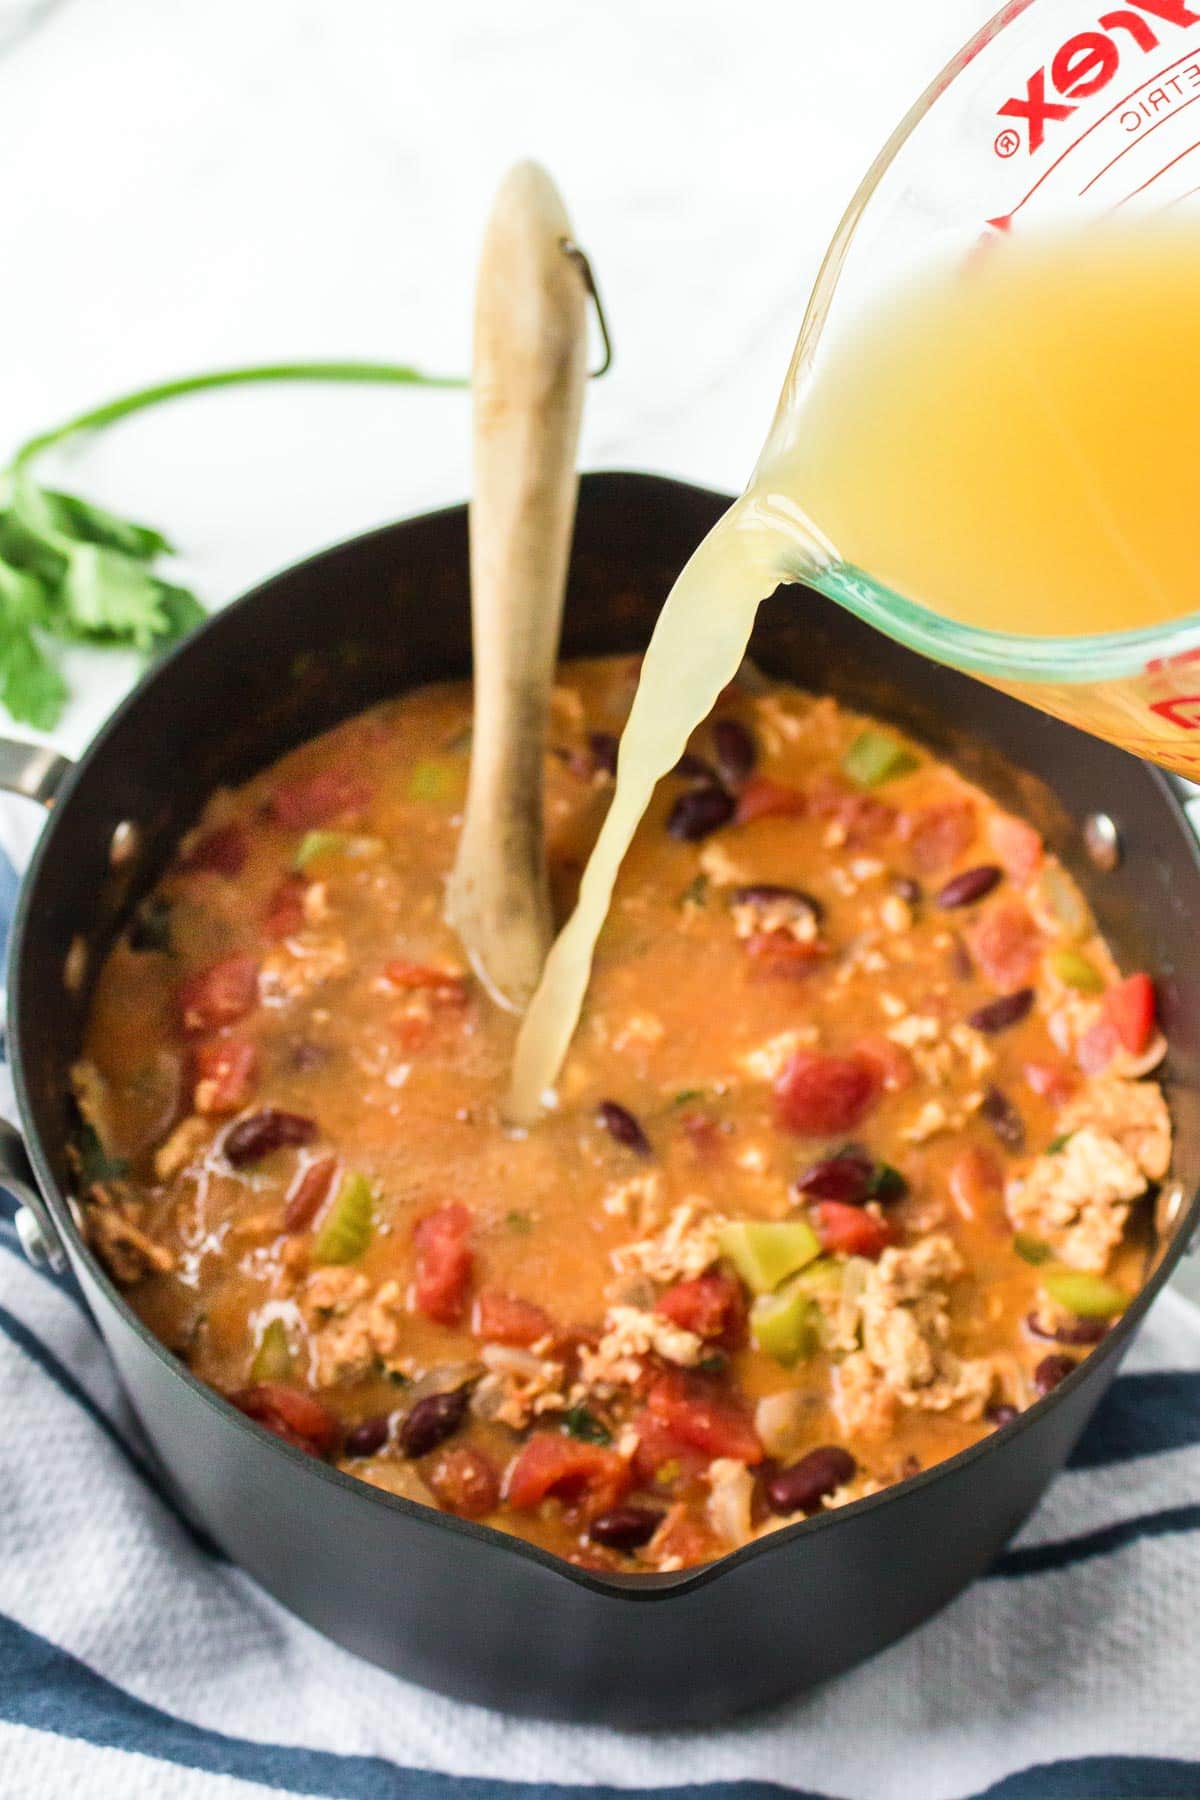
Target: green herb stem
<point>97,417</point>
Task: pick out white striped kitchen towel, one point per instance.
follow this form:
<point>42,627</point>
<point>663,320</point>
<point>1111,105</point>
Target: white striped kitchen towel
<point>136,1664</point>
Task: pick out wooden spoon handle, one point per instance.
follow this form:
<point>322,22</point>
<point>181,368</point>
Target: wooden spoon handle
<point>529,372</point>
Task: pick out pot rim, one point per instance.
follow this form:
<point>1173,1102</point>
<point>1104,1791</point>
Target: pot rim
<point>636,1587</point>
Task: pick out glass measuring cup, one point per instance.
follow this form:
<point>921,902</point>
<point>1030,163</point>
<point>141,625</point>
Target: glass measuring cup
<point>1056,112</point>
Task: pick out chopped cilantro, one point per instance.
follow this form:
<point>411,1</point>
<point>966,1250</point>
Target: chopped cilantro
<point>696,891</point>
<point>1059,1143</point>
<point>518,1221</point>
<point>579,1423</point>
<point>95,1164</point>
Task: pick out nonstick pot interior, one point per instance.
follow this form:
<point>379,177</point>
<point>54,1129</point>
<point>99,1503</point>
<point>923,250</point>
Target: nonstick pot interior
<point>366,620</point>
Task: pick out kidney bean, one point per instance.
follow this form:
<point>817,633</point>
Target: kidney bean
<point>1000,1415</point>
<point>1050,1371</point>
<point>960,960</point>
<point>803,1487</point>
<point>846,1177</point>
<point>1004,1119</point>
<point>736,750</point>
<point>1078,1331</point>
<point>765,893</point>
<point>368,1437</point>
<point>699,812</point>
<point>621,1125</point>
<point>307,1193</point>
<point>603,746</point>
<point>251,1139</point>
<point>971,885</point>
<point>999,1014</point>
<point>432,1421</point>
<point>694,768</point>
<point>625,1527</point>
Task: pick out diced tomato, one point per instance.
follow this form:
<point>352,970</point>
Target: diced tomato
<point>219,995</point>
<point>817,1095</point>
<point>762,798</point>
<point>1097,1047</point>
<point>1129,1008</point>
<point>465,1482</point>
<point>316,799</point>
<point>704,1135</point>
<point>444,1260</point>
<point>224,1070</point>
<point>711,1305</point>
<point>222,851</point>
<point>862,817</point>
<point>295,1417</point>
<point>308,1192</point>
<point>584,1475</point>
<point>778,953</point>
<point>285,911</point>
<point>506,1319</point>
<point>1017,847</point>
<point>704,1415</point>
<point>412,1030</point>
<point>938,835</point>
<point>1052,1081</point>
<point>849,1230</point>
<point>446,985</point>
<point>660,1452</point>
<point>897,1070</point>
<point>976,1182</point>
<point>1006,944</point>
<point>689,1539</point>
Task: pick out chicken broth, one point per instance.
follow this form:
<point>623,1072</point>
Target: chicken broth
<point>844,1167</point>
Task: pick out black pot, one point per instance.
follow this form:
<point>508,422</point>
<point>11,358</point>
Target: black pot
<point>454,1605</point>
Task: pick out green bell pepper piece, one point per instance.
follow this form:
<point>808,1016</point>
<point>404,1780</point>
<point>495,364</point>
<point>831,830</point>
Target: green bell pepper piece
<point>765,1253</point>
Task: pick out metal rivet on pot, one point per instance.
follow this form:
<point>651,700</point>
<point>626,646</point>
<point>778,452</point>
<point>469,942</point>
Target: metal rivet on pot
<point>75,966</point>
<point>124,844</point>
<point>40,1249</point>
<point>1102,841</point>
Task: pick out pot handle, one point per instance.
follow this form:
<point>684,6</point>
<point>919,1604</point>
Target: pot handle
<point>35,1229</point>
<point>32,770</point>
<point>36,772</point>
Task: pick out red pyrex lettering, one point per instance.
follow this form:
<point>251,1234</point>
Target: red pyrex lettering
<point>1086,63</point>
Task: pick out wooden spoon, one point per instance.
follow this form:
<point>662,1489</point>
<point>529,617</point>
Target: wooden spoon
<point>529,370</point>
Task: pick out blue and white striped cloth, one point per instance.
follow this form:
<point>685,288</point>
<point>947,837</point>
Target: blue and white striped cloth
<point>135,1663</point>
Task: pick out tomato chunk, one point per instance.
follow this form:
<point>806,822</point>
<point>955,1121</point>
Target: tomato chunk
<point>779,953</point>
<point>849,1231</point>
<point>1017,847</point>
<point>584,1475</point>
<point>446,985</point>
<point>465,1482</point>
<point>762,798</point>
<point>295,1417</point>
<point>1129,1008</point>
<point>1052,1081</point>
<point>938,835</point>
<point>219,995</point>
<point>702,1414</point>
<point>444,1261</point>
<point>863,817</point>
<point>507,1319</point>
<point>711,1305</point>
<point>817,1095</point>
<point>222,851</point>
<point>661,1453</point>
<point>307,1193</point>
<point>224,1071</point>
<point>1006,944</point>
<point>316,799</point>
<point>285,909</point>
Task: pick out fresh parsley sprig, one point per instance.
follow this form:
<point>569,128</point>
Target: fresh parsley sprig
<point>72,572</point>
